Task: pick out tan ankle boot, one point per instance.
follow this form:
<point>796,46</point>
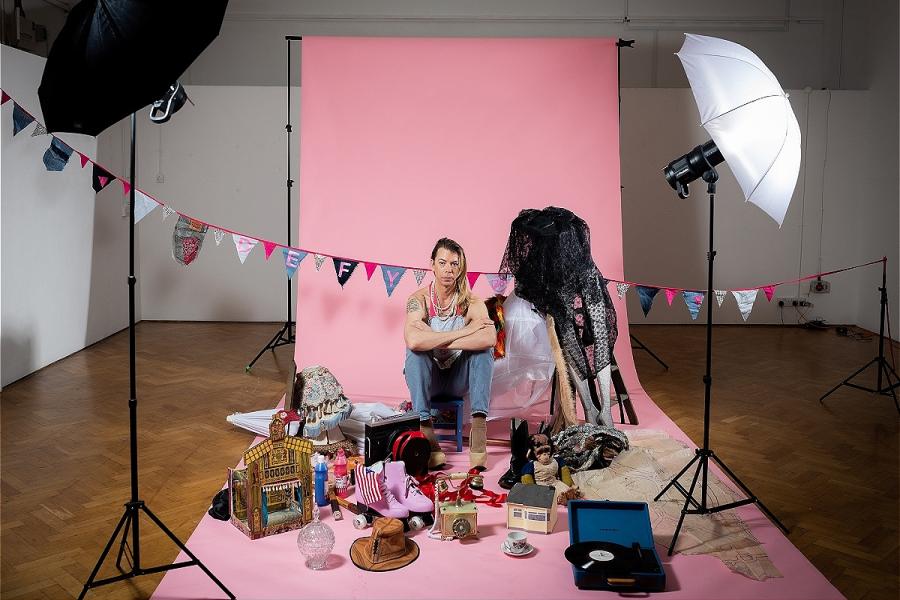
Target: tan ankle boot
<point>437,457</point>
<point>478,442</point>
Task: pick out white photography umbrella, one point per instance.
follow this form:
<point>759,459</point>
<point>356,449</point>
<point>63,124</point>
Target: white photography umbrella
<point>748,115</point>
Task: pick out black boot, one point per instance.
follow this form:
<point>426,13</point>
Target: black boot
<point>518,441</point>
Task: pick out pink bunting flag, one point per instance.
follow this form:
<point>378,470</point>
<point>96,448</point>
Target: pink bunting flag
<point>84,159</point>
<point>4,99</point>
<point>670,294</point>
<point>270,247</point>
<point>126,187</point>
<point>769,291</point>
<point>472,276</point>
<point>370,268</point>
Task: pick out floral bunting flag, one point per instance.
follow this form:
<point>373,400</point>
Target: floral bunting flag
<point>420,275</point>
<point>57,155</point>
<point>269,247</point>
<point>168,211</point>
<point>370,268</point>
<point>39,130</point>
<point>219,235</point>
<point>187,239</point>
<point>694,301</point>
<point>745,300</point>
<point>472,276</point>
<point>126,187</point>
<point>769,291</point>
<point>391,276</point>
<point>243,245</point>
<point>498,282</point>
<point>670,293</point>
<point>344,268</point>
<point>646,295</point>
<point>319,260</point>
<point>21,119</point>
<point>621,289</point>
<point>143,205</point>
<point>100,178</point>
<point>292,260</point>
<point>720,296</point>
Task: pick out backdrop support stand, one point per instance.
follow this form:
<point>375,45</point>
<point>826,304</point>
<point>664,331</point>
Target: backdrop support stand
<point>287,334</point>
<point>884,370</point>
<point>131,517</point>
<point>704,454</point>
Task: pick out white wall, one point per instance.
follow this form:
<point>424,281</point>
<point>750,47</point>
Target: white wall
<point>63,251</point>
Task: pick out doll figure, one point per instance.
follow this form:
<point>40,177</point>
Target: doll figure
<point>545,469</point>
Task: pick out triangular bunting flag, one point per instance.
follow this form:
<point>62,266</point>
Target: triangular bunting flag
<point>270,247</point>
<point>344,268</point>
<point>670,293</point>
<point>167,211</point>
<point>769,290</point>
<point>219,235</point>
<point>472,276</point>
<point>621,288</point>
<point>319,260</point>
<point>370,268</point>
<point>720,296</point>
<point>4,98</point>
<point>126,187</point>
<point>84,159</point>
<point>143,205</point>
<point>392,276</point>
<point>694,301</point>
<point>57,155</point>
<point>21,119</point>
<point>292,260</point>
<point>745,300</point>
<point>420,275</point>
<point>646,295</point>
<point>100,178</point>
<point>187,239</point>
<point>243,245</point>
<point>498,282</point>
<point>39,130</point>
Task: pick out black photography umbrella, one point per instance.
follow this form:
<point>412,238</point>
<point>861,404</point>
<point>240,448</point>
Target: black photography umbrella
<point>114,57</point>
<point>111,59</point>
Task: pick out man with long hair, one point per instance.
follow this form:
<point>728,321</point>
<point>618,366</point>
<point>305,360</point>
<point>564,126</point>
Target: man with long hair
<point>449,348</point>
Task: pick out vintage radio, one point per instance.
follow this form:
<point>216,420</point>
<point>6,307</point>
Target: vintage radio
<point>380,435</point>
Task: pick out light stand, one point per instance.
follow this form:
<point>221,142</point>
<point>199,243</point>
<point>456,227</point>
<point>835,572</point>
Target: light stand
<point>131,517</point>
<point>884,368</point>
<point>286,335</point>
<point>704,454</point>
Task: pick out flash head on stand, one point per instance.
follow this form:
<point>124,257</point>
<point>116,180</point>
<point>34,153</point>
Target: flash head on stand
<point>691,166</point>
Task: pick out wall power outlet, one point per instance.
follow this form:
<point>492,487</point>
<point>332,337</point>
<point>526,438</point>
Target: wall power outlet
<point>792,301</point>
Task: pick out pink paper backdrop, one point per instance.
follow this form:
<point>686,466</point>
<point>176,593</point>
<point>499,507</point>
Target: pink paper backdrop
<point>404,141</point>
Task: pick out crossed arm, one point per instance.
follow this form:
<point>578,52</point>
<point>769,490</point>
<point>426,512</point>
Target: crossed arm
<point>478,334</point>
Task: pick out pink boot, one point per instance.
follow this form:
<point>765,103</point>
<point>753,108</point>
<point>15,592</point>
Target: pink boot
<point>405,488</point>
<point>369,485</point>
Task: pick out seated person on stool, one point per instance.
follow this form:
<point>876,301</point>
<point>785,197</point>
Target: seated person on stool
<point>449,348</point>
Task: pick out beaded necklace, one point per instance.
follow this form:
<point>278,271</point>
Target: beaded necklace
<point>448,311</point>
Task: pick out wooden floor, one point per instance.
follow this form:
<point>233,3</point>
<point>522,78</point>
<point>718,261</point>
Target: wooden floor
<point>830,473</point>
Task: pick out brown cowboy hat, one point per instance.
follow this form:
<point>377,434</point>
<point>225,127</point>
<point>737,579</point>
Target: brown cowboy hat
<point>386,549</point>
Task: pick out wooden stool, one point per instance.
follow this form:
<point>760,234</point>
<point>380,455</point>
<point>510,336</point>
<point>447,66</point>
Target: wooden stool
<point>440,404</point>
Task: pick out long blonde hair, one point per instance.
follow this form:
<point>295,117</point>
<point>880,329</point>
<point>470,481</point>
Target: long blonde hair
<point>462,282</point>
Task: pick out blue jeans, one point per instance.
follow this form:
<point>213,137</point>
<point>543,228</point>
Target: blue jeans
<point>469,374</point>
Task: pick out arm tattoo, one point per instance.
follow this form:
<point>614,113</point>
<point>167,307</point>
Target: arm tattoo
<point>412,305</point>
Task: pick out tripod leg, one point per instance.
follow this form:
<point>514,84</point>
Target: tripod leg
<point>890,386</point>
<point>687,499</point>
<point>125,541</point>
<point>641,346</point>
<point>857,372</point>
<point>184,549</point>
<point>677,477</point>
<point>126,517</point>
<point>269,346</point>
<point>749,494</point>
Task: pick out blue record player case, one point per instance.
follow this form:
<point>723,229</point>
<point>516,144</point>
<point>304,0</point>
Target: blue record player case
<point>626,524</point>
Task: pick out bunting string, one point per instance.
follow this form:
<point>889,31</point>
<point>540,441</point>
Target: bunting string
<point>187,245</point>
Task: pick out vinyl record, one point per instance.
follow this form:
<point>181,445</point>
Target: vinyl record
<point>603,558</point>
